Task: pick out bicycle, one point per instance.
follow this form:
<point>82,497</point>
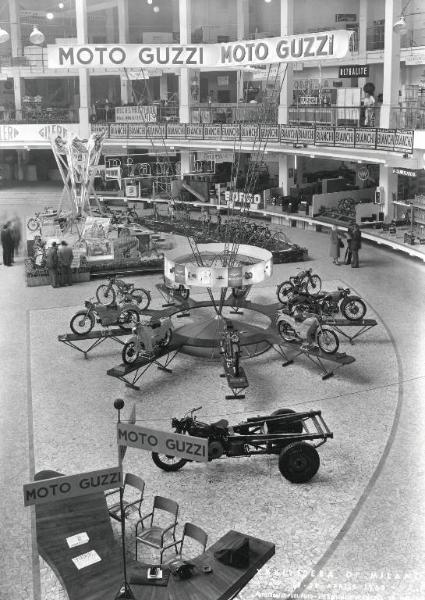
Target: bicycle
<point>107,293</point>
<point>305,282</point>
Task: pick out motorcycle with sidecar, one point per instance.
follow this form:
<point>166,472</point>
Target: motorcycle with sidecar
<point>125,316</point>
<point>149,338</point>
<point>283,432</point>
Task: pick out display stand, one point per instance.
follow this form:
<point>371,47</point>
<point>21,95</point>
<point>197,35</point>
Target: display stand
<point>130,374</point>
<point>235,383</point>
<point>173,299</point>
<point>364,324</point>
<point>99,336</point>
<point>315,355</point>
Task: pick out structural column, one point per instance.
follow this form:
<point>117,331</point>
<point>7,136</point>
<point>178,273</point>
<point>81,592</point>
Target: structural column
<point>15,28</point>
<point>389,182</point>
<point>286,173</point>
<point>184,163</point>
<point>83,74</point>
<point>391,64</point>
<point>362,41</point>
<point>123,38</point>
<point>286,28</point>
<point>18,88</point>
<point>242,25</point>
<point>185,38</point>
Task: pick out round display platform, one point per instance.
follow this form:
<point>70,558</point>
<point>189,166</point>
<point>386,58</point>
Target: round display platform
<point>219,268</point>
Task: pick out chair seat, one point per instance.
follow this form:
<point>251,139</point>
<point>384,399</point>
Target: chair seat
<point>151,536</point>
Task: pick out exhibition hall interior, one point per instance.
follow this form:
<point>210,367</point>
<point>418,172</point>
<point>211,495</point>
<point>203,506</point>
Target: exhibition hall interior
<point>235,192</point>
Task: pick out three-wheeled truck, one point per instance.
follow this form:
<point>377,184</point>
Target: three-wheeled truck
<point>294,436</point>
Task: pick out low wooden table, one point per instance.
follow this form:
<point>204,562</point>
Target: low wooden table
<point>222,584</point>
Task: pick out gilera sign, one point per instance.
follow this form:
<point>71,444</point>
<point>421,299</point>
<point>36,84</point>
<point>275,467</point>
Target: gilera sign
<point>294,48</point>
<point>173,444</point>
<point>61,488</point>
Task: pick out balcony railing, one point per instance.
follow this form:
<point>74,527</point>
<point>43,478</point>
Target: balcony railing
<point>234,113</point>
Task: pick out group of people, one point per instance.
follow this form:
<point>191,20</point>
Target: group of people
<point>353,238</point>
<point>58,261</point>
<point>11,240</point>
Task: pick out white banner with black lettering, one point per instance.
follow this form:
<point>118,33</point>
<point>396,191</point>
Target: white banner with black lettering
<point>293,48</point>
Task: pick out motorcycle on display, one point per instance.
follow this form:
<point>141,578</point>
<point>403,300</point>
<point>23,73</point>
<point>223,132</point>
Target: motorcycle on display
<point>329,304</point>
<point>148,338</point>
<point>230,349</point>
<point>124,316</point>
<point>307,330</point>
<point>283,432</point>
<point>306,282</point>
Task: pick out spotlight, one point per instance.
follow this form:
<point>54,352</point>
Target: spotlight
<point>156,9</point>
<point>267,1</point>
<point>61,5</point>
<point>4,36</point>
<point>400,26</point>
<point>50,16</point>
<point>149,1</point>
<point>36,37</point>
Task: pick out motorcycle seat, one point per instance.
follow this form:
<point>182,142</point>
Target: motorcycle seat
<point>221,424</point>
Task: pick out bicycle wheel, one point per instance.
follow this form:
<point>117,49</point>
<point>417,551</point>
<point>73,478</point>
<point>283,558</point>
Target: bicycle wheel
<point>286,331</point>
<point>141,297</point>
<point>313,285</point>
<point>33,224</point>
<point>284,291</point>
<point>327,340</point>
<point>106,295</point>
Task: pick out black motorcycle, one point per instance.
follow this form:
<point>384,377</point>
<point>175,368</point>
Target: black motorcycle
<point>284,432</point>
<point>230,349</point>
<point>328,304</point>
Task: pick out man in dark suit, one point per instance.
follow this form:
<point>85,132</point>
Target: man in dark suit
<point>355,245</point>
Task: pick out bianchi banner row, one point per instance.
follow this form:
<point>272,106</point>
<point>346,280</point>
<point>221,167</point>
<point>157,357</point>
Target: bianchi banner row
<point>393,140</point>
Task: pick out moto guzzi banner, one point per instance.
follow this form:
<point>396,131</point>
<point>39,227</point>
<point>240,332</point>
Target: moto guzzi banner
<point>293,48</point>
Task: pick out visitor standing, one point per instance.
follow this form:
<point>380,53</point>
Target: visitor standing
<point>369,104</point>
<point>356,244</point>
<point>16,233</point>
<point>348,254</point>
<point>336,244</point>
<point>65,258</point>
<point>52,264</point>
<point>7,244</point>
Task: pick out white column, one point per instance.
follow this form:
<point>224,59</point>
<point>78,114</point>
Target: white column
<point>15,28</point>
<point>286,28</point>
<point>389,182</point>
<point>286,162</point>
<point>18,88</point>
<point>123,38</point>
<point>362,28</point>
<point>391,62</point>
<point>242,25</point>
<point>83,74</point>
<point>185,38</point>
<point>184,162</point>
<point>163,87</point>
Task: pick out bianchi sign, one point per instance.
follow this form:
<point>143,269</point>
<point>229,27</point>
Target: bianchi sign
<point>294,48</point>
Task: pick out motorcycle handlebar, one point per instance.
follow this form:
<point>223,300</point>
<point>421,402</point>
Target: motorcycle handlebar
<point>196,409</point>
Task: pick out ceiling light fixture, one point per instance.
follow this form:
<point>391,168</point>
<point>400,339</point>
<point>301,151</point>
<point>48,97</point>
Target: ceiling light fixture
<point>4,36</point>
<point>50,16</point>
<point>36,37</point>
<point>156,9</point>
<point>400,26</point>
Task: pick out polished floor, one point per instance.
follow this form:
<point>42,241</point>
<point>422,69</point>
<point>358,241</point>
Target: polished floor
<point>355,531</point>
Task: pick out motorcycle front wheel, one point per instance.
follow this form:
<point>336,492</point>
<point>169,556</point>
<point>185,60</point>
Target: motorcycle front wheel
<point>286,331</point>
<point>106,295</point>
<point>82,323</point>
<point>128,318</point>
<point>284,291</point>
<point>184,292</point>
<point>327,340</point>
<point>313,285</point>
<point>141,297</point>
<point>167,462</point>
<point>129,353</point>
<point>353,308</point>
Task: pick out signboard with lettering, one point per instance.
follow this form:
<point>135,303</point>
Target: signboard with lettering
<point>289,134</point>
<point>294,48</point>
<point>405,172</point>
<point>156,131</point>
<point>325,136</point>
<point>385,139</point>
<point>365,137</point>
<point>230,132</point>
<point>118,130</point>
<point>194,131</point>
<point>249,132</point>
<point>135,114</point>
<point>64,487</point>
<point>415,59</point>
<point>344,137</point>
<point>346,71</point>
<point>269,132</point>
<point>403,141</point>
<point>173,444</point>
<point>306,135</point>
<point>346,18</point>
<point>176,130</point>
<point>136,130</point>
<point>212,132</point>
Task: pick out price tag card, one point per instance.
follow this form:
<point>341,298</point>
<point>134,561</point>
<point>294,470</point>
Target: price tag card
<point>77,539</point>
<point>87,559</point>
